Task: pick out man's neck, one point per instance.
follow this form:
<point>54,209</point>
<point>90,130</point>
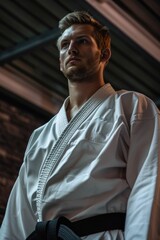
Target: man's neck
<point>79,93</point>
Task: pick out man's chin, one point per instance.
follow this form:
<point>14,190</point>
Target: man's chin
<point>74,79</point>
<point>74,76</point>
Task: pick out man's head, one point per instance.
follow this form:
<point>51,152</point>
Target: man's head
<point>84,47</point>
<point>102,35</point>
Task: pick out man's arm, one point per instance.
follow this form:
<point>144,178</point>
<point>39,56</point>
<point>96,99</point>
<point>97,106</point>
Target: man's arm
<point>142,173</point>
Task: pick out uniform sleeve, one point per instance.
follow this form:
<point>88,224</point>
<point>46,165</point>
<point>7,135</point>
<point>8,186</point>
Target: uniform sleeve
<point>143,173</point>
<point>19,220</point>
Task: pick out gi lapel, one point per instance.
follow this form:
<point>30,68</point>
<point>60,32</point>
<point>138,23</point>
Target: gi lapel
<point>57,151</point>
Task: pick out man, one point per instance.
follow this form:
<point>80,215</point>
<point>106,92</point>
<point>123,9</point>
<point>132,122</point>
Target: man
<point>97,157</point>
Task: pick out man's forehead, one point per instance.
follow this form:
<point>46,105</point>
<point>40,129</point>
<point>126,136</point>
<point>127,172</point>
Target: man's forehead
<point>77,30</point>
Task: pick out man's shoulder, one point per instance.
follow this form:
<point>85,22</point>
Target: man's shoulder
<point>136,103</point>
<point>133,97</point>
<point>130,94</point>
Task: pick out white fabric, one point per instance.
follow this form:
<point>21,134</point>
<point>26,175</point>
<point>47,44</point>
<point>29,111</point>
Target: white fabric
<point>90,165</point>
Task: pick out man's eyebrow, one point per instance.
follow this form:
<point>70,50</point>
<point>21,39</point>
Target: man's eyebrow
<point>83,36</point>
<point>63,39</point>
<point>76,37</point>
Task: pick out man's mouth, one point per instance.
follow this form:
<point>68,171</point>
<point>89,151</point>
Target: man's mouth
<point>73,60</point>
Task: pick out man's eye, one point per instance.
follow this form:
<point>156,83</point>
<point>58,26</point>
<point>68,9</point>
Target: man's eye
<point>64,45</point>
<point>83,41</point>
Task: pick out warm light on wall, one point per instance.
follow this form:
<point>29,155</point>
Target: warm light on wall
<point>31,91</point>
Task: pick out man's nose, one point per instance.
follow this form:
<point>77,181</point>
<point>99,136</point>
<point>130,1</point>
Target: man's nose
<point>72,47</point>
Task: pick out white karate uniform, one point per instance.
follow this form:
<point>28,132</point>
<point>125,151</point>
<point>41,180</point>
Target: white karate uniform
<point>104,160</point>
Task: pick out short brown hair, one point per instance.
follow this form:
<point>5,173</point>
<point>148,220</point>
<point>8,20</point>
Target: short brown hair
<point>102,35</point>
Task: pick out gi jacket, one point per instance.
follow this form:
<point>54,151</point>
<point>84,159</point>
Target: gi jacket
<point>104,160</point>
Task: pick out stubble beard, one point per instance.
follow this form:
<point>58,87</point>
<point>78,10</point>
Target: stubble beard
<point>76,75</point>
<point>82,73</point>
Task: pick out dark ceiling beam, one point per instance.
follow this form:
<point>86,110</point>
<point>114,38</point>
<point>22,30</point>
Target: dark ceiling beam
<point>29,45</point>
<point>128,25</point>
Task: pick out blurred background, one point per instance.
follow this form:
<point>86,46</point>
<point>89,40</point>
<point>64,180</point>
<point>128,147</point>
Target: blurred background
<point>32,89</point>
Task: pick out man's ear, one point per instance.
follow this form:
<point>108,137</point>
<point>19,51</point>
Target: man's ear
<point>105,55</point>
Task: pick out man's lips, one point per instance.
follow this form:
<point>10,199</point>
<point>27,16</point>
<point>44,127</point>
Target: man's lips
<point>73,60</point>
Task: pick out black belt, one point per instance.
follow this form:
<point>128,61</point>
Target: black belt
<point>62,228</point>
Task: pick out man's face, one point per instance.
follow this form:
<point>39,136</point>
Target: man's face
<point>79,53</point>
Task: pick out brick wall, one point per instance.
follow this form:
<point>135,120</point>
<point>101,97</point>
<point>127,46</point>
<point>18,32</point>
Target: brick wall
<point>17,121</point>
